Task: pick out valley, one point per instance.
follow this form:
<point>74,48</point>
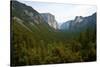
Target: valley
<point>36,38</point>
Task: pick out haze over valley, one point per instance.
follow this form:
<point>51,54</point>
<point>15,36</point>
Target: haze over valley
<point>51,33</point>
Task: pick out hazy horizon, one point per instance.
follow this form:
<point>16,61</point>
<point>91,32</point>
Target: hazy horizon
<point>62,12</point>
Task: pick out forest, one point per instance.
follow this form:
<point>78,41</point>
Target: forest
<point>33,48</point>
<point>34,42</point>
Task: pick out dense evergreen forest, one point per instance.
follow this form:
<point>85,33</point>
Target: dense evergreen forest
<point>41,44</point>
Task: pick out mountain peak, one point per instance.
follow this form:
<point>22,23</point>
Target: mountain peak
<point>50,19</point>
<point>78,19</point>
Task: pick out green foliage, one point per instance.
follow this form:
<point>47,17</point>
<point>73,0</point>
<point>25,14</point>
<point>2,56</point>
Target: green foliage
<point>43,44</point>
<point>30,48</point>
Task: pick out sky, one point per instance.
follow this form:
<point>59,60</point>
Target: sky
<point>62,12</point>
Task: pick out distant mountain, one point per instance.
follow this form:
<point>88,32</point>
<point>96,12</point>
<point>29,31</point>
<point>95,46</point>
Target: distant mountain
<point>50,19</point>
<point>35,38</point>
<point>28,17</point>
<point>65,25</point>
<point>78,19</point>
<point>80,23</point>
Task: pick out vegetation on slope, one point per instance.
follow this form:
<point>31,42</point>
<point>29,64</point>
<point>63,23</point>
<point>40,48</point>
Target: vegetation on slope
<point>44,45</point>
<point>31,48</point>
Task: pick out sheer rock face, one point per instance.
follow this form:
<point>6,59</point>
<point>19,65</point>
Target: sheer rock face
<point>31,18</point>
<point>50,19</point>
<point>65,25</point>
<point>80,23</point>
<point>78,19</point>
